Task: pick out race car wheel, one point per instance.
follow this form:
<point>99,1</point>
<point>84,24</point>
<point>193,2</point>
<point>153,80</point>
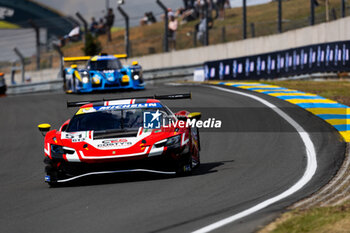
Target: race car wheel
<point>185,166</point>
<point>53,173</point>
<point>74,84</point>
<point>64,81</point>
<point>68,86</point>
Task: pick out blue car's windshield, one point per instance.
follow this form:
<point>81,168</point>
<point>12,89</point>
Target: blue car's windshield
<point>113,64</point>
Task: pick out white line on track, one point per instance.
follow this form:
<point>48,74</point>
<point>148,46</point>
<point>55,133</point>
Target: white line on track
<point>117,171</point>
<point>310,170</point>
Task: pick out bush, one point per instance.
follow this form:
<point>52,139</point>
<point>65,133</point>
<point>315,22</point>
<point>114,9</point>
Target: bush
<point>92,45</point>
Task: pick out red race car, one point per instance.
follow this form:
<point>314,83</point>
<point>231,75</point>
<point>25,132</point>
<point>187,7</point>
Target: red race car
<point>124,135</point>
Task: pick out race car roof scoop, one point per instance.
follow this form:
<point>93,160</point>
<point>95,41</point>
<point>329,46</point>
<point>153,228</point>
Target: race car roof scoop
<point>158,97</point>
<point>101,134</point>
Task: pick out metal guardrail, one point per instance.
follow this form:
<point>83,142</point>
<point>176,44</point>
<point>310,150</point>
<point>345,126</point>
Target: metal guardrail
<point>52,85</point>
<point>149,75</point>
<point>170,72</point>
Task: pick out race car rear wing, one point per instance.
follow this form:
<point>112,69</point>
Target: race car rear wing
<point>158,97</point>
<point>86,58</point>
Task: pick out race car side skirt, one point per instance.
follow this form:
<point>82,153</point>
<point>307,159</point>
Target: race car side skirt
<point>47,179</point>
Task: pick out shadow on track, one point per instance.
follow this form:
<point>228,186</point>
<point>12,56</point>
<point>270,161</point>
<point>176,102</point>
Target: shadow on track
<point>204,168</point>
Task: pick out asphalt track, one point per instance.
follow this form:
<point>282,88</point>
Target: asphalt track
<point>239,169</point>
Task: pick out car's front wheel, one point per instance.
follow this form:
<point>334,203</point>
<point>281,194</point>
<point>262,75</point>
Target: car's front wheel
<point>52,173</point>
<point>184,167</point>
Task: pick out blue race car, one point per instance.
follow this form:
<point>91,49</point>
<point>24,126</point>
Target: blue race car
<point>102,72</point>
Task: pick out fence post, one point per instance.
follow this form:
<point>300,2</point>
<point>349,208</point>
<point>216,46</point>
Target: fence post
<point>85,25</point>
<point>13,72</point>
<point>21,58</point>
<point>165,9</point>
<point>334,14</point>
<point>244,19</point>
<point>126,38</point>
<point>327,10</point>
<point>59,51</point>
<point>343,8</point>
<point>279,27</point>
<point>252,29</point>
<point>195,38</point>
<point>223,34</point>
<point>37,42</point>
<point>206,17</point>
<point>312,13</point>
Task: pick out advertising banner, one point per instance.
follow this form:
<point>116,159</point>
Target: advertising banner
<point>318,58</point>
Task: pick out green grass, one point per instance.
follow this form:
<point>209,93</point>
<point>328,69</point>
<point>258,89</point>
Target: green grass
<point>7,25</point>
<point>116,29</point>
<point>324,219</point>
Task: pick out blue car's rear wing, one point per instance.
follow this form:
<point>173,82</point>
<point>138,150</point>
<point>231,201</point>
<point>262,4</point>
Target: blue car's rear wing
<point>86,58</point>
<point>158,97</point>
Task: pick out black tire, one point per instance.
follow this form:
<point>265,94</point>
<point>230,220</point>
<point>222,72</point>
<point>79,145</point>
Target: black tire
<point>68,86</point>
<point>64,81</point>
<point>51,170</point>
<point>184,167</point>
<point>53,184</point>
<point>74,84</point>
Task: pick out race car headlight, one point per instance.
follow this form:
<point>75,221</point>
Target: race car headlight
<point>136,77</point>
<point>169,142</point>
<point>56,149</point>
<point>173,141</point>
<point>85,79</point>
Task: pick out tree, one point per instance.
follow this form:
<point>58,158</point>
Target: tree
<point>92,45</point>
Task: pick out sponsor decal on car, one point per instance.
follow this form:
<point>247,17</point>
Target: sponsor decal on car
<point>128,106</point>
<point>75,136</point>
<point>85,110</point>
<point>114,143</point>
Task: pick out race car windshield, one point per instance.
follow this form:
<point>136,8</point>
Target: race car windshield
<point>114,64</point>
<point>126,119</point>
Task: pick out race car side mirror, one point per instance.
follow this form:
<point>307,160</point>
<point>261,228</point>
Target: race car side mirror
<point>135,63</point>
<point>181,117</point>
<point>44,128</point>
<point>74,66</point>
<point>195,115</point>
